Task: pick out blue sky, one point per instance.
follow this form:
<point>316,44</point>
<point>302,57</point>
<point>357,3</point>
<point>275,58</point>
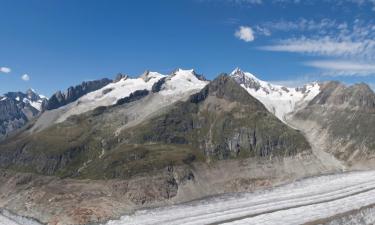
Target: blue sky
<point>52,44</point>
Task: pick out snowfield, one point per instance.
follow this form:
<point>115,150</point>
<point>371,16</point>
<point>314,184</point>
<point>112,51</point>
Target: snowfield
<point>310,200</point>
<point>176,86</point>
<point>278,99</point>
<point>110,94</point>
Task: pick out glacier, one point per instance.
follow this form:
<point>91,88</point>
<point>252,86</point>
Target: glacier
<point>321,198</point>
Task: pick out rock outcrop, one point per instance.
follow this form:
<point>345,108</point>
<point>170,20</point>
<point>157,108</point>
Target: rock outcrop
<point>17,108</point>
<point>73,93</point>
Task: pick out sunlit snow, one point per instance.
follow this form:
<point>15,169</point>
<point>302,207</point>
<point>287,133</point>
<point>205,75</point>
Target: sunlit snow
<point>278,99</point>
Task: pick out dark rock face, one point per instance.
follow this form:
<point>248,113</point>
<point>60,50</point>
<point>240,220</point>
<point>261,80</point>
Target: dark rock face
<point>241,78</point>
<point>16,110</point>
<point>158,85</point>
<point>73,93</point>
<point>134,96</point>
<point>199,76</point>
<point>119,77</point>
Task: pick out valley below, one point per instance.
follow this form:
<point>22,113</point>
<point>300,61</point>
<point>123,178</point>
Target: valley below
<point>342,198</point>
<point>346,198</point>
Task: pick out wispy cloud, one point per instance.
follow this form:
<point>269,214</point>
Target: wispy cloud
<point>362,4</point>
<point>245,33</point>
<point>301,24</point>
<point>355,40</point>
<point>343,68</point>
<point>338,3</point>
<point>5,70</point>
<point>322,46</point>
<point>262,30</point>
<point>25,77</point>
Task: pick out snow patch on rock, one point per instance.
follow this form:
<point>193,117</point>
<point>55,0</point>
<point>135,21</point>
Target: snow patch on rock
<point>110,94</point>
<point>277,99</point>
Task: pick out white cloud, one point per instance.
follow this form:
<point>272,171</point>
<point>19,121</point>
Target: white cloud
<point>25,77</point>
<point>5,70</point>
<point>343,68</point>
<point>245,33</point>
<point>354,40</point>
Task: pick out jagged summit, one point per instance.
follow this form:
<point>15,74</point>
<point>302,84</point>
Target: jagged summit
<point>17,108</point>
<point>120,76</point>
<point>180,81</point>
<point>149,75</point>
<point>73,93</point>
<point>246,79</point>
<point>30,97</point>
<point>174,86</point>
<point>240,73</point>
<point>278,99</point>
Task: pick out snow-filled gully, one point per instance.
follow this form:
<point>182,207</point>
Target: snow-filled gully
<point>301,202</point>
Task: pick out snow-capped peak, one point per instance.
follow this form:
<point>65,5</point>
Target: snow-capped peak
<point>111,93</point>
<point>277,99</point>
<point>175,85</point>
<point>148,75</point>
<point>30,97</point>
<point>188,74</point>
<point>181,81</point>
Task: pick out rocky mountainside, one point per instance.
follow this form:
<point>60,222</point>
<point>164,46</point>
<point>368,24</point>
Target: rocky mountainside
<point>224,122</point>
<point>221,121</point>
<point>341,118</point>
<point>278,99</point>
<point>73,93</point>
<point>17,108</point>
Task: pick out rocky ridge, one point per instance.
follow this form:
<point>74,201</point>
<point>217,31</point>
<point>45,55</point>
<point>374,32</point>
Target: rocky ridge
<point>17,108</point>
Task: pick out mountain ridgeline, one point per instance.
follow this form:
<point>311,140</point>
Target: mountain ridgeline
<point>342,119</point>
<point>105,148</point>
<point>73,93</point>
<point>222,121</point>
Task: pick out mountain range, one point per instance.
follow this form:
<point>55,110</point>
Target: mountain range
<point>107,147</point>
